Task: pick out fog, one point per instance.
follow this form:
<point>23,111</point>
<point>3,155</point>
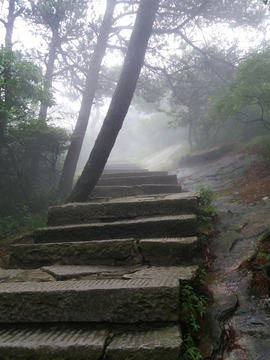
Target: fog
<point>145,139</point>
<point>191,65</point>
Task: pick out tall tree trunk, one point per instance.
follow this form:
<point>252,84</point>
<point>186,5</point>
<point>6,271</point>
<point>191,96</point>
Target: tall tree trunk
<point>91,84</point>
<point>35,161</point>
<point>120,101</point>
<point>49,73</point>
<point>9,25</point>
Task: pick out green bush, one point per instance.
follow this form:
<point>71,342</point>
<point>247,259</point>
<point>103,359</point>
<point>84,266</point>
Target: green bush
<point>21,222</point>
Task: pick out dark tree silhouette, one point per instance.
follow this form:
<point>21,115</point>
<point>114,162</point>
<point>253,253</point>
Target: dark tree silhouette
<point>120,101</point>
<point>91,85</point>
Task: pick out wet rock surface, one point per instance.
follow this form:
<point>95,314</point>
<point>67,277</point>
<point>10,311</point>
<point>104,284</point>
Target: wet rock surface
<point>220,173</point>
<point>239,227</point>
<point>239,320</point>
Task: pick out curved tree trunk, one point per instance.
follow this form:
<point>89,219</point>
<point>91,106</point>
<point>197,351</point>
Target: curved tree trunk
<point>120,101</point>
<point>91,84</point>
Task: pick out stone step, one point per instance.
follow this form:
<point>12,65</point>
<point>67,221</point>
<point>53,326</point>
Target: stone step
<point>130,173</point>
<point>107,300</point>
<point>23,342</point>
<point>130,207</point>
<point>147,345</point>
<point>61,273</point>
<point>138,180</point>
<point>161,251</point>
<point>73,342</point>
<point>150,227</point>
<point>97,272</point>
<point>101,252</point>
<point>123,191</point>
<point>114,167</point>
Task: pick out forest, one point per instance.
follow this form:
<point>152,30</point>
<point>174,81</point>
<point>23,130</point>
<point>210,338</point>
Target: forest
<point>82,81</point>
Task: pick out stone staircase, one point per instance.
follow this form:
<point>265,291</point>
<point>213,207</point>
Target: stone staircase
<point>126,183</point>
<point>102,281</point>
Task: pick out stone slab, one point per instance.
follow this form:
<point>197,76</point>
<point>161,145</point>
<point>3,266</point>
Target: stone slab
<point>6,274</point>
<point>52,342</point>
<point>174,272</point>
<point>66,272</point>
<point>30,256</point>
<point>115,192</point>
<point>146,345</point>
<point>122,301</point>
<point>112,167</point>
<point>128,272</point>
<point>36,275</point>
<point>170,251</point>
<point>151,227</point>
<point>128,207</point>
<point>138,180</point>
<point>122,191</point>
<point>130,173</point>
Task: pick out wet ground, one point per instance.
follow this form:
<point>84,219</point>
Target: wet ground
<point>239,320</point>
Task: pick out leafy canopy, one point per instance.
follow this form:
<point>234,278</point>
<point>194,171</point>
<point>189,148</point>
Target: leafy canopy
<point>247,98</point>
<point>21,85</point>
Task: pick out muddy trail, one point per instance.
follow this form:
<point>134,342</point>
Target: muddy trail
<point>239,320</point>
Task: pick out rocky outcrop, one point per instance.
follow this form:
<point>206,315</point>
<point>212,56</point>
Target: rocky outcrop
<point>198,157</point>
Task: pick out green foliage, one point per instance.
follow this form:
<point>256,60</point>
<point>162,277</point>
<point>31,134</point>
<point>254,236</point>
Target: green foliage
<point>193,307</point>
<point>194,78</point>
<point>207,213</point>
<point>191,352</point>
<point>206,194</point>
<point>207,209</point>
<point>265,255</point>
<point>201,276</point>
<point>21,86</point>
<point>260,145</point>
<point>30,149</point>
<point>22,222</point>
<point>21,181</point>
<point>247,98</point>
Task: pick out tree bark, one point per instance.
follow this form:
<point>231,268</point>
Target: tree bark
<point>49,72</point>
<point>9,25</point>
<point>91,84</point>
<point>120,101</point>
<point>43,110</point>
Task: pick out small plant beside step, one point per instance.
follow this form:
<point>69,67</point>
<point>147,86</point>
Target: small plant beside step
<point>194,303</point>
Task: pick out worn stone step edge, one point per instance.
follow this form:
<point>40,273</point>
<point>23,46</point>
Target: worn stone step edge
<point>161,251</point>
<point>82,342</point>
<point>117,191</point>
<point>130,173</point>
<point>52,342</point>
<point>150,227</point>
<point>61,273</point>
<point>151,345</point>
<point>166,204</point>
<point>138,180</point>
<point>113,300</point>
